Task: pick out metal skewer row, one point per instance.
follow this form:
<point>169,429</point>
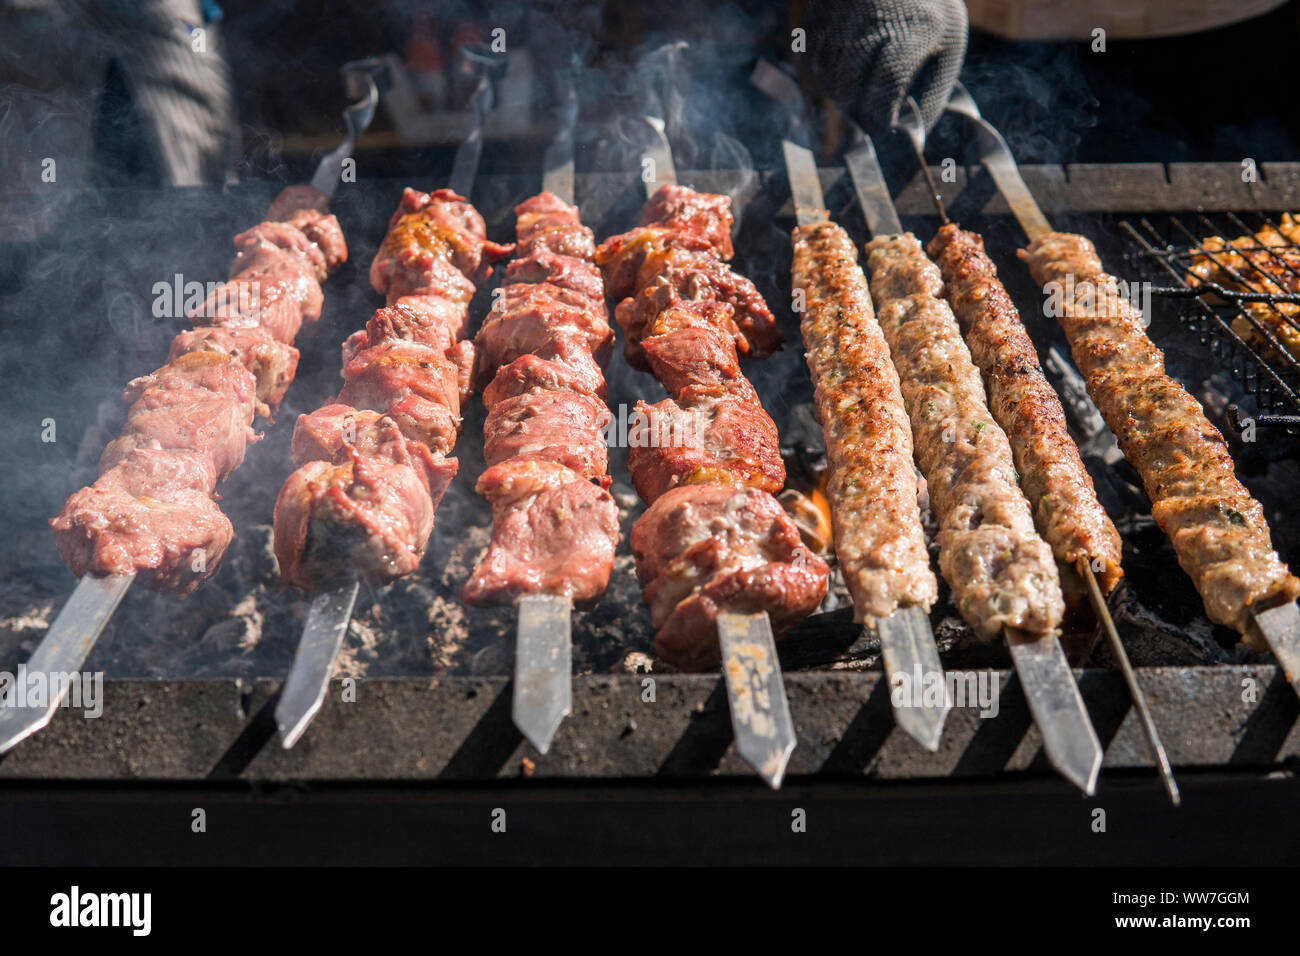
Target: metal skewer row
<point>1069,740</point>
<point>1278,627</point>
<point>760,711</point>
<point>911,125</point>
<point>331,608</point>
<point>907,643</point>
<point>82,620</point>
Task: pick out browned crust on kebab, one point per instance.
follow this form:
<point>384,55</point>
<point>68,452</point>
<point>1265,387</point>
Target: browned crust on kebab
<point>1066,510</point>
<point>871,483</point>
<point>1218,530</point>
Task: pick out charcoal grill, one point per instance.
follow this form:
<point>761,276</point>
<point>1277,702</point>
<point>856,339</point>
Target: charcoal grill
<point>422,715</point>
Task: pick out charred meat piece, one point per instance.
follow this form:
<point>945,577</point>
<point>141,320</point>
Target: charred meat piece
<point>684,210</point>
<point>676,277</point>
<point>429,229</point>
<point>710,437</point>
<point>709,548</point>
<point>693,347</point>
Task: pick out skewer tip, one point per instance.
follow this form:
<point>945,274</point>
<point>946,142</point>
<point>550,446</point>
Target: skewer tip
<point>543,687</point>
<point>760,711</point>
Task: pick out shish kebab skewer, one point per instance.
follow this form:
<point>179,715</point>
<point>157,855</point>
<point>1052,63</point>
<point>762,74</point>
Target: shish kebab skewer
<point>373,465</point>
<point>554,522</point>
<point>1066,510</point>
<point>875,515</point>
<point>1217,528</point>
<point>150,514</point>
<point>716,553</point>
<point>1002,574</point>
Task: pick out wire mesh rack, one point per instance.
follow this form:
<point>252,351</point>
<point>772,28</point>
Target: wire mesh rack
<point>1239,277</point>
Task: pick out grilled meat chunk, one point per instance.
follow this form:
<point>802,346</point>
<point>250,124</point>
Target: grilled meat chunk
<point>366,514</point>
<point>675,277</point>
<point>562,363</point>
<point>549,426</point>
<point>271,363</point>
<point>703,549</point>
<point>711,437</point>
<point>553,532</point>
<point>1218,530</point>
<point>679,255</point>
<point>528,319</point>
<point>428,232</point>
<point>203,402</point>
<point>151,513</point>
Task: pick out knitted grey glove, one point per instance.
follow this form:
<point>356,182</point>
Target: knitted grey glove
<point>870,55</point>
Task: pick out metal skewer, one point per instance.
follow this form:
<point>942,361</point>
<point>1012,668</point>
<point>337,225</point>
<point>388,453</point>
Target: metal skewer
<point>906,641</point>
<point>760,711</point>
<point>331,608</point>
<point>1069,740</point>
<point>82,620</point>
<point>543,685</point>
<point>64,650</point>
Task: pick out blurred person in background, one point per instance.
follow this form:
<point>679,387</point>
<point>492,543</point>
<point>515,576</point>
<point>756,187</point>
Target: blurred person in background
<point>102,93</point>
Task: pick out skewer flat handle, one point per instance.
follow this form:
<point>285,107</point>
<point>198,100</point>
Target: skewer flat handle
<point>1280,628</point>
<point>659,153</point>
<point>910,656</point>
<point>64,650</point>
<point>873,192</point>
<point>1069,739</point>
<point>996,157</point>
<point>543,692</point>
<point>760,712</point>
<point>313,663</point>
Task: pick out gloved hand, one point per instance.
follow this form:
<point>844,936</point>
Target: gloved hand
<point>870,55</point>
